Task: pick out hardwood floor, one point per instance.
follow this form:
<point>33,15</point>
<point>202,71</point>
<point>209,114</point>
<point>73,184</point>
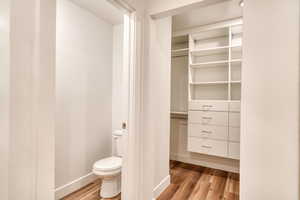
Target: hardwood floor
<point>89,192</point>
<point>188,182</point>
<point>191,182</point>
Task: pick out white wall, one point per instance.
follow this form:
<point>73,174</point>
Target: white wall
<point>83,92</point>
<point>32,69</point>
<point>270,93</point>
<point>4,96</point>
<point>157,99</point>
<point>118,101</point>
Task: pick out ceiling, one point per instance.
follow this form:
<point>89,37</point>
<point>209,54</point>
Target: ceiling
<point>102,9</point>
<point>207,15</point>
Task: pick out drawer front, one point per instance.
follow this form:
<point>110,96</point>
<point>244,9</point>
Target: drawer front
<point>208,106</point>
<point>234,119</point>
<point>207,146</point>
<point>234,150</point>
<point>235,106</point>
<point>234,134</point>
<point>205,131</point>
<point>209,118</point>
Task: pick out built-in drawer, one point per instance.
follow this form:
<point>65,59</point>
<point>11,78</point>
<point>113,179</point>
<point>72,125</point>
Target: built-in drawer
<point>234,150</point>
<point>208,105</point>
<point>209,118</point>
<point>235,106</point>
<point>234,119</point>
<point>207,146</point>
<point>207,131</point>
<point>234,134</point>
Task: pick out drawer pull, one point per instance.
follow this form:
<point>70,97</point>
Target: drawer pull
<point>206,117</point>
<point>207,106</point>
<point>203,131</point>
<point>207,147</point>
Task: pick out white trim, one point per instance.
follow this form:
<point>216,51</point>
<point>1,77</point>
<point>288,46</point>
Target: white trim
<point>161,186</point>
<point>131,186</point>
<point>122,5</point>
<point>171,11</point>
<point>206,27</point>
<point>72,186</point>
<point>213,165</point>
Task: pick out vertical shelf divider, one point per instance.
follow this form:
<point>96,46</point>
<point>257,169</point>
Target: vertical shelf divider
<point>191,47</point>
<point>229,63</point>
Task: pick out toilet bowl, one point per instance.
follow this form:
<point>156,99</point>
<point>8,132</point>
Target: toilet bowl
<point>109,169</point>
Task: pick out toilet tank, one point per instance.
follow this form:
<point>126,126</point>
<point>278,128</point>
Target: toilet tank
<point>118,143</point>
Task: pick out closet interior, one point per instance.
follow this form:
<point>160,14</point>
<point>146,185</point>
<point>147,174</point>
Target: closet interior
<point>206,83</point>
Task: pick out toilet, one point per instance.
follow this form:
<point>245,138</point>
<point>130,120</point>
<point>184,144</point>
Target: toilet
<point>109,169</point>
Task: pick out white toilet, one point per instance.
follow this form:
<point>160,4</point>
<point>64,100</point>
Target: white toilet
<point>109,169</point>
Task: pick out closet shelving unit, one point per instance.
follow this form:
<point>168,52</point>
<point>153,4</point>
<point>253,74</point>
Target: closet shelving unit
<point>215,58</point>
<point>214,91</point>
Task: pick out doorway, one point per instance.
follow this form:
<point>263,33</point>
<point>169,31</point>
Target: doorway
<point>202,75</point>
<point>94,51</point>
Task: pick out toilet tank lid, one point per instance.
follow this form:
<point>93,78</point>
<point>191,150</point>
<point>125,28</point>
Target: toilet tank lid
<point>118,132</point>
<point>108,164</point>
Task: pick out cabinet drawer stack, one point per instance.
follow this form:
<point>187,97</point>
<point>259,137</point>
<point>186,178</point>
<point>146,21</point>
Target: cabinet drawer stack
<point>213,128</point>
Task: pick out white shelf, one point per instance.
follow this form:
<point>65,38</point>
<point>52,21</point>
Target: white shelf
<point>210,51</point>
<point>179,112</point>
<point>215,50</point>
<point>209,34</point>
<point>214,100</point>
<point>210,100</point>
<point>214,63</point>
<point>236,60</point>
<point>180,52</point>
<point>210,83</point>
<point>209,64</point>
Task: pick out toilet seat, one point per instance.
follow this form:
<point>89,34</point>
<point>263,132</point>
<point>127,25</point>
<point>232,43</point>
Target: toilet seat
<point>108,166</point>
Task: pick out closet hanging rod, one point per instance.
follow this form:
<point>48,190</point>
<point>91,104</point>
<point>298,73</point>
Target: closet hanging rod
<point>179,115</point>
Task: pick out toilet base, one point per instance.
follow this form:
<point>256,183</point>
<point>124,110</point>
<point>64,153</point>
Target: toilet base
<point>110,187</point>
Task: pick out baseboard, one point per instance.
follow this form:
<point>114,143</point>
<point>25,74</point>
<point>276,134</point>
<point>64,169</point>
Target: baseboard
<point>210,163</point>
<point>72,186</point>
<point>161,186</point>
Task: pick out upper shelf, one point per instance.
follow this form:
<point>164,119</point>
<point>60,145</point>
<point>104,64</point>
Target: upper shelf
<point>210,51</point>
<point>209,83</point>
<point>214,63</point>
<point>215,50</point>
<point>214,33</point>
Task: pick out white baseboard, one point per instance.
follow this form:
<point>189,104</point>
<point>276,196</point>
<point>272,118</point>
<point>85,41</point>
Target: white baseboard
<point>161,186</point>
<point>72,186</point>
<point>211,162</point>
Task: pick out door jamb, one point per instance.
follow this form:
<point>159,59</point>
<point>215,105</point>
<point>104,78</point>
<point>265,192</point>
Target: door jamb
<point>131,166</point>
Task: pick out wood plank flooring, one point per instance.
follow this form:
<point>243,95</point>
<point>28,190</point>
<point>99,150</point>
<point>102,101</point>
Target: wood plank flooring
<point>89,192</point>
<point>188,182</point>
<point>191,182</point>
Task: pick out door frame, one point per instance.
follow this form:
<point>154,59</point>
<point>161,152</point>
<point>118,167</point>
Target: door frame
<point>132,58</point>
